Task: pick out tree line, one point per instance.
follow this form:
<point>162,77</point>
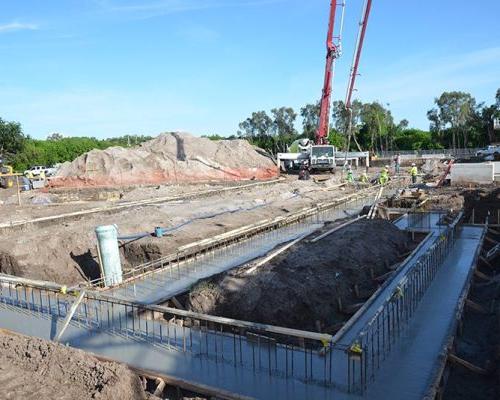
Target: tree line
<point>456,120</point>
<point>22,151</point>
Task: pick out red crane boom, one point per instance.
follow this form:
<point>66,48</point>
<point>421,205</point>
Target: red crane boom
<point>332,52</point>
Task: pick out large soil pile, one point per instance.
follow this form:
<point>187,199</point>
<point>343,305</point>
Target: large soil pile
<point>302,286</point>
<point>32,368</point>
<point>171,157</point>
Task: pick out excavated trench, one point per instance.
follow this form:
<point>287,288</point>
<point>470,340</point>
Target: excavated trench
<point>311,286</point>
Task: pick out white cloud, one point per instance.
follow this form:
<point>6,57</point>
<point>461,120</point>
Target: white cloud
<point>17,26</point>
<point>160,7</point>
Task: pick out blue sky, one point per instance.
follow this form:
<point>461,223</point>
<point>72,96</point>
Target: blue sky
<point>111,67</point>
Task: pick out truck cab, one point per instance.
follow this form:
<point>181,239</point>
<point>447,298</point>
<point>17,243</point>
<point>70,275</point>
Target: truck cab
<point>322,157</point>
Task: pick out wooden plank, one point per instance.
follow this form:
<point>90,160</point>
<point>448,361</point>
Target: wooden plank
<point>484,260</point>
<point>336,229</point>
<point>487,238</point>
<point>275,254</point>
<point>383,277</point>
<point>70,314</point>
<point>476,307</point>
<point>177,303</point>
<point>125,205</point>
<point>352,308</point>
<point>452,358</point>
<point>481,275</point>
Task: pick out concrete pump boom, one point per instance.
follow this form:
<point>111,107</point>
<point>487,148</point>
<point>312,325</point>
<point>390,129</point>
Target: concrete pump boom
<point>333,50</point>
<point>354,70</point>
<point>357,53</point>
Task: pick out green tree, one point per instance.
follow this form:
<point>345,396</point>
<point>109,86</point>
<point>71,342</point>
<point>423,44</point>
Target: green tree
<point>343,119</point>
<point>257,126</point>
<point>376,123</point>
<point>283,128</point>
<point>454,111</point>
<point>310,119</point>
<point>11,139</point>
<point>414,139</point>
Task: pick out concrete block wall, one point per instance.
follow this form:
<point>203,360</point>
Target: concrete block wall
<point>483,173</point>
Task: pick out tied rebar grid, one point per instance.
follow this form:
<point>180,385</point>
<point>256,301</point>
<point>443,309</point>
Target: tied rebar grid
<point>306,356</point>
<point>157,275</point>
<point>378,337</point>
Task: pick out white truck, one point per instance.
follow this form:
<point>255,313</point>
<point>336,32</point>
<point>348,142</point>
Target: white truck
<point>37,169</point>
<point>318,157</point>
<point>491,152</point>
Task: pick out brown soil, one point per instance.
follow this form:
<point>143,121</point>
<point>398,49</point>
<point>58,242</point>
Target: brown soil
<point>171,157</point>
<point>301,286</point>
<point>450,201</point>
<point>32,368</point>
<point>65,252</point>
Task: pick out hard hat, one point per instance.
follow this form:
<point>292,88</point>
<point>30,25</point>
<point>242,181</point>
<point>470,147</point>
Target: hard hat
<point>387,166</point>
<point>412,164</point>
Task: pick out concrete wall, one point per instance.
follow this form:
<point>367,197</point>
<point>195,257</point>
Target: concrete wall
<point>483,173</point>
<point>496,170</point>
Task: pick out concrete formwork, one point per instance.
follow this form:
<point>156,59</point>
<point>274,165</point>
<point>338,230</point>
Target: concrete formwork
<point>482,173</point>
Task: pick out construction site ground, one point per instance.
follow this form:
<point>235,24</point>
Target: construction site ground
<point>311,286</point>
<point>64,250</point>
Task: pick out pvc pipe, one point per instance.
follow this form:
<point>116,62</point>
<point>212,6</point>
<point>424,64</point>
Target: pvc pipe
<point>107,240</point>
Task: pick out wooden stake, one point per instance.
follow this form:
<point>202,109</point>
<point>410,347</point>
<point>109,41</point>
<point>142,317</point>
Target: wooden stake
<point>18,191</point>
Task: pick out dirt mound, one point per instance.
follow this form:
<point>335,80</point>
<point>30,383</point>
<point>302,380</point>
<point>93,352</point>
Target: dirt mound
<point>303,285</point>
<point>171,157</point>
<point>35,368</point>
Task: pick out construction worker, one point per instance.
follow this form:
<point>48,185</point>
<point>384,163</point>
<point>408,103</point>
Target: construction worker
<point>397,163</point>
<point>413,173</point>
<point>350,177</point>
<point>363,178</point>
<point>384,175</point>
